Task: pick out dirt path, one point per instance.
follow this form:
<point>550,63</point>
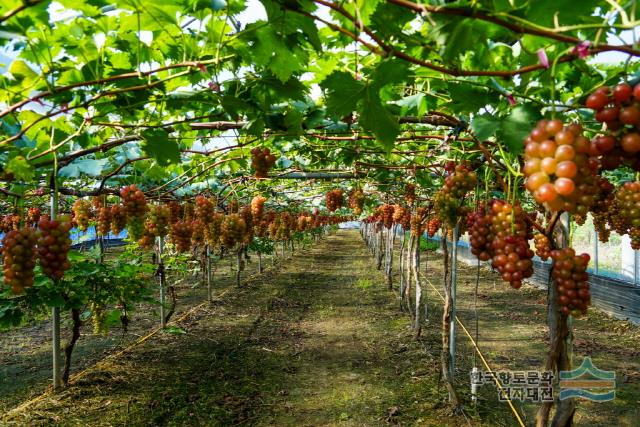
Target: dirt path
<point>319,342</point>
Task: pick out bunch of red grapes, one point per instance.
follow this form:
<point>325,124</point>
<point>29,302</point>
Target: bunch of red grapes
<point>135,206</point>
<point>82,213</point>
<point>603,210</point>
<point>619,108</point>
<point>571,279</point>
<point>19,251</point>
<point>118,219</point>
<point>204,208</point>
<point>103,221</point>
<point>176,210</point>
<point>53,245</point>
<point>479,226</point>
<point>410,193</point>
<point>257,207</point>
<point>285,226</point>
<point>181,235</point>
<point>197,233</point>
<point>274,226</point>
<point>448,201</point>
<point>147,240</point>
<point>627,209</point>
<point>33,216</point>
<point>9,222</point>
<point>398,212</point>
<point>386,215</point>
<point>560,174</point>
<point>262,160</point>
<point>334,199</point>
<point>500,233</point>
<point>213,229</point>
<point>433,225</point>
<point>356,200</point>
<point>416,222</point>
<point>303,221</point>
<point>543,246</point>
<point>232,230</point>
<point>97,202</point>
<point>247,215</point>
<point>157,221</point>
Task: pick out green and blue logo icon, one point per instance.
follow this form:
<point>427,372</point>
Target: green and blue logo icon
<point>588,382</point>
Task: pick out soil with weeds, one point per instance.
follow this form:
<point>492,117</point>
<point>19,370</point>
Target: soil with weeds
<point>320,341</point>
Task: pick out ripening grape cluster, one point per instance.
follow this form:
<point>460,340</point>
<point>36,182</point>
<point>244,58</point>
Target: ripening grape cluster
<point>433,225</point>
<point>410,193</point>
<point>53,245</point>
<point>212,230</point>
<point>82,213</point>
<point>247,217</point>
<point>118,219</point>
<point>103,221</point>
<point>570,276</point>
<point>417,221</point>
<point>627,212</point>
<point>19,251</point>
<point>406,218</point>
<point>619,109</point>
<point>560,174</point>
<point>356,200</point>
<point>398,213</point>
<point>334,199</point>
<point>176,211</point>
<point>479,229</point>
<point>232,230</point>
<point>500,232</point>
<point>197,233</point>
<point>135,206</point>
<point>603,211</point>
<point>33,216</point>
<point>448,201</point>
<point>257,207</point>
<point>181,231</point>
<point>262,160</point>
<point>147,240</point>
<point>402,216</point>
<point>9,222</point>
<point>386,215</point>
<point>157,220</point>
<point>204,208</point>
<point>543,246</point>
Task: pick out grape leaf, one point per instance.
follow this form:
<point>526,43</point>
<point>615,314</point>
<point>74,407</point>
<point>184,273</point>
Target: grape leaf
<point>516,126</point>
<point>158,146</point>
<point>343,92</point>
<point>20,168</point>
<point>377,119</point>
<point>485,126</point>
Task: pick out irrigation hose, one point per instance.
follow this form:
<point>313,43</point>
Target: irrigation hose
<point>484,361</point>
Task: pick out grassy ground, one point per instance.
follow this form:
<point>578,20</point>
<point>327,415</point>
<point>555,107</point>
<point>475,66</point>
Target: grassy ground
<point>513,336</point>
<point>319,341</point>
<point>25,352</point>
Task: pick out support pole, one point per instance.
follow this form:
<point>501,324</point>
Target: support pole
<point>163,322</point>
<point>209,275</point>
<point>55,312</point>
<point>595,250</point>
<point>454,277</point>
